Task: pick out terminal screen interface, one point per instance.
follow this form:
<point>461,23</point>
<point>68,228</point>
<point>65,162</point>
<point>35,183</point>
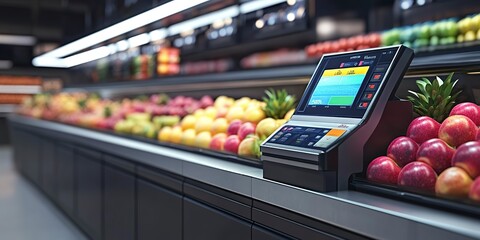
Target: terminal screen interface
<point>345,85</point>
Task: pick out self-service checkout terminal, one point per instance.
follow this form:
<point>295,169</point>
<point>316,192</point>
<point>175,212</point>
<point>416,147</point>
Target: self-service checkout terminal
<point>347,112</point>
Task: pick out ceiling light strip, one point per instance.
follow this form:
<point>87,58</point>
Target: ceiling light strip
<point>125,26</point>
<point>258,4</point>
<point>19,40</point>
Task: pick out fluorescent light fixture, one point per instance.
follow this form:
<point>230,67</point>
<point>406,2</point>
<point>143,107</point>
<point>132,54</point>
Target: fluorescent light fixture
<point>203,20</point>
<point>140,20</point>
<point>258,4</point>
<point>139,40</point>
<point>49,62</point>
<point>158,34</point>
<point>6,64</point>
<point>125,26</point>
<point>17,40</point>
<point>113,48</point>
<point>87,56</point>
<point>122,45</point>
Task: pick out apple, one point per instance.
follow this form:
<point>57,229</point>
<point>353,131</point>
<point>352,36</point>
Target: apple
<point>222,112</point>
<point>254,114</point>
<point>211,112</point>
<point>249,147</point>
<point>266,127</point>
<point>206,101</point>
<point>453,182</point>
<point>474,193</point>
<point>231,144</point>
<point>203,124</point>
<point>422,129</point>
<point>234,113</point>
<point>418,175</point>
<point>233,127</point>
<point>203,140</point>
<point>457,130</point>
<point>245,130</point>
<point>176,135</point>
<point>436,153</point>
<point>188,137</point>
<point>478,134</point>
<point>468,109</point>
<point>402,150</point>
<point>219,125</point>
<point>218,141</point>
<point>383,170</point>
<point>467,157</point>
<point>164,134</point>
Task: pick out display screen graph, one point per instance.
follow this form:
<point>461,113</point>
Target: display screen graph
<point>338,87</point>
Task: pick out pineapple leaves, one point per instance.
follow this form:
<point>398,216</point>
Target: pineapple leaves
<point>278,103</point>
<point>434,98</point>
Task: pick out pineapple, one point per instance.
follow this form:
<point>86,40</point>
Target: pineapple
<point>278,103</point>
<point>435,99</point>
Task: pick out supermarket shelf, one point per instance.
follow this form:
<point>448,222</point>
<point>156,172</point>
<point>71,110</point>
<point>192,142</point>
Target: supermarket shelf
<point>20,89</point>
<point>248,78</point>
<point>344,207</point>
<point>7,108</point>
<point>286,75</point>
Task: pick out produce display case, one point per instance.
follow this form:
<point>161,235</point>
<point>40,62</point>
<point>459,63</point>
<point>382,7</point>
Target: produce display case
<point>252,83</point>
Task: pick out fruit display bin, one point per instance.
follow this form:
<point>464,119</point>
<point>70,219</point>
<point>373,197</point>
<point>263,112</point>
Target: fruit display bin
<point>218,190</point>
<point>208,152</point>
<point>463,206</point>
<point>254,82</point>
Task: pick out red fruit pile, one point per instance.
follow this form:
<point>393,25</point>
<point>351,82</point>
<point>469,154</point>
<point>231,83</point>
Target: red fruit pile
<point>344,44</point>
<point>442,158</point>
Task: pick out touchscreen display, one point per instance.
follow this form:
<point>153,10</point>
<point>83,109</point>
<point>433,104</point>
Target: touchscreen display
<point>345,85</point>
<point>338,87</point>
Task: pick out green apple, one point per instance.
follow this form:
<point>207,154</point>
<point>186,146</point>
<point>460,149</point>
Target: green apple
<point>424,32</point>
<point>420,43</point>
<point>434,41</point>
<point>435,29</point>
<point>407,35</point>
<point>460,38</point>
<point>450,29</point>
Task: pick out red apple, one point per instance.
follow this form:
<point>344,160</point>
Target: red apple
<point>467,157</point>
<point>231,144</point>
<point>422,129</point>
<point>218,141</point>
<point>206,101</point>
<point>468,109</point>
<point>245,130</point>
<point>233,127</point>
<point>453,182</point>
<point>402,150</point>
<point>383,170</point>
<point>436,153</point>
<point>478,134</point>
<point>418,175</point>
<point>474,193</point>
<point>457,130</point>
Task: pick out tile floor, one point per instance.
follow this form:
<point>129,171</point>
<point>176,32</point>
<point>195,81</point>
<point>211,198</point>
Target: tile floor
<point>25,213</point>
